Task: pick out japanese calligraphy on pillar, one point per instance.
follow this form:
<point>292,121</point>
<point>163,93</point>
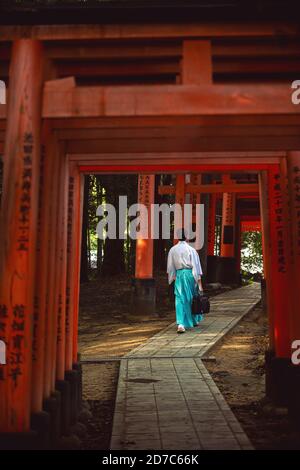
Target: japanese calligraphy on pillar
<point>146,195</point>
<point>296,204</point>
<point>277,215</point>
<point>25,202</point>
<point>228,222</point>
<point>229,209</point>
<point>69,246</point>
<point>195,197</point>
<point>16,357</point>
<point>36,305</point>
<point>144,189</point>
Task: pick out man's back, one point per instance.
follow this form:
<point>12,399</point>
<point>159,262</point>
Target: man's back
<point>181,255</point>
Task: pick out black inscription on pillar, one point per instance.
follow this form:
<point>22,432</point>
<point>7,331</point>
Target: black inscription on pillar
<point>278,217</point>
<point>25,202</point>
<point>296,203</point>
<point>16,356</point>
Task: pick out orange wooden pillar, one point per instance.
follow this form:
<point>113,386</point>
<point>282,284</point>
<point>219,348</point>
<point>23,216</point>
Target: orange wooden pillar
<point>144,296</point>
<point>51,397</point>
<point>73,269</point>
<point>211,225</point>
<point>212,259</point>
<point>62,385</point>
<point>293,174</point>
<point>266,249</point>
<point>293,162</point>
<point>227,272</point>
<point>179,208</point>
<point>238,243</point>
<point>76,245</point>
<point>58,268</point>
<point>280,258</point>
<point>195,198</point>
<point>62,268</point>
<point>18,239</point>
<point>278,281</point>
<point>52,152</point>
<point>42,272</point>
<point>73,368</point>
<point>228,225</point>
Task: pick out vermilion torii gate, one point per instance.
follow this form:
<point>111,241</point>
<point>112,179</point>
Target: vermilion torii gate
<point>226,268</point>
<point>53,131</point>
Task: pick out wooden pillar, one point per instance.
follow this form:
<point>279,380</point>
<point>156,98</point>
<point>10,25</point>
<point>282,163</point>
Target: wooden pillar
<point>18,239</point>
<point>50,356</point>
<point>212,259</point>
<point>279,286</point>
<point>293,172</point>
<point>228,225</point>
<point>75,205</point>
<point>42,273</point>
<point>266,249</point>
<point>264,215</point>
<point>279,265</point>
<point>211,225</point>
<point>144,296</point>
<point>293,168</point>
<point>195,198</point>
<point>238,243</point>
<point>204,199</point>
<point>227,268</point>
<point>179,200</point>
<point>59,270</point>
<point>144,247</point>
<point>62,268</point>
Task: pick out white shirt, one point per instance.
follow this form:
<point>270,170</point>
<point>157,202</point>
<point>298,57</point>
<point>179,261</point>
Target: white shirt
<point>183,256</point>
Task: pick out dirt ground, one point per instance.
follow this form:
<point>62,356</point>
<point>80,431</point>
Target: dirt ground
<point>108,330</point>
<point>237,367</point>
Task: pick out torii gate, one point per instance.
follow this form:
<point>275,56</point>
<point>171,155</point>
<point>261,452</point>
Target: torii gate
<point>55,132</point>
<point>226,269</point>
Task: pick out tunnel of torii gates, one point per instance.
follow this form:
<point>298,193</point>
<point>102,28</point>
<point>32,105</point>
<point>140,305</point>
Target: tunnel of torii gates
<point>53,131</point>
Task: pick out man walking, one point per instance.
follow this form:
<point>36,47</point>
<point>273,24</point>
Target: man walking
<point>185,268</point>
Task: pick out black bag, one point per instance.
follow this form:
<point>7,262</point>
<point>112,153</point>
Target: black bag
<point>200,304</point>
<point>196,304</point>
<point>205,304</point>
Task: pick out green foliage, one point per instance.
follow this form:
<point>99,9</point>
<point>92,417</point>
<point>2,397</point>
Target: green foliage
<point>114,255</point>
<point>251,252</point>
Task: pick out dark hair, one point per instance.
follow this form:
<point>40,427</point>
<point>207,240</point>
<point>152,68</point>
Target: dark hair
<point>180,235</point>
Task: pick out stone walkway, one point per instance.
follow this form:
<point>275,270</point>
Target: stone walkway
<point>166,398</point>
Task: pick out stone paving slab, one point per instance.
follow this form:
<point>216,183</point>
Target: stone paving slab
<point>166,399</point>
<point>227,310</point>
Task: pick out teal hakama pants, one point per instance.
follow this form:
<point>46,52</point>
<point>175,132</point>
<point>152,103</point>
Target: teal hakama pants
<point>185,288</point>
